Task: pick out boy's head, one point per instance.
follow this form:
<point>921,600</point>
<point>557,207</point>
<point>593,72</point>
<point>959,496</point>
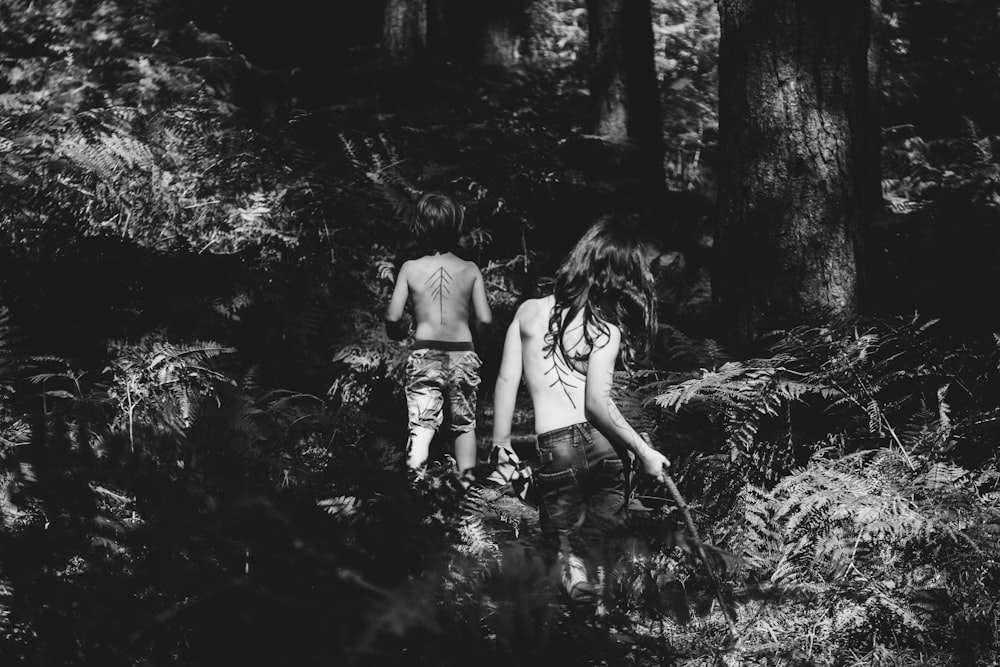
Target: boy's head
<point>437,224</point>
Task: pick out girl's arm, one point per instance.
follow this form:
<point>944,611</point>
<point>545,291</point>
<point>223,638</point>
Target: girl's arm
<point>602,412</point>
<point>508,381</point>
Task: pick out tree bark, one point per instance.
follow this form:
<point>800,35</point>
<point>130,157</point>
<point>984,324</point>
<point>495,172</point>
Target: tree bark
<point>795,132</point>
<point>500,41</point>
<point>484,32</point>
<point>623,84</point>
<point>404,33</point>
<point>876,48</point>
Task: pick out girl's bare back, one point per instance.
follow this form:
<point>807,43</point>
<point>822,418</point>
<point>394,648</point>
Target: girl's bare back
<point>557,391</point>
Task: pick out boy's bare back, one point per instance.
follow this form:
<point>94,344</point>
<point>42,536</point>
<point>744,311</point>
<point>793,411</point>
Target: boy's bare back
<point>445,291</point>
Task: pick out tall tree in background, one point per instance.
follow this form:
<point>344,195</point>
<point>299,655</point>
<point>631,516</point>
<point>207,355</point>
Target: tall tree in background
<point>500,32</point>
<point>623,85</point>
<point>795,127</point>
<point>872,167</point>
<point>481,33</point>
<point>404,33</point>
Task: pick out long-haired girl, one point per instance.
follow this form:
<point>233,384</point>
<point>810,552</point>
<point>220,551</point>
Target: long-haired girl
<point>566,347</point>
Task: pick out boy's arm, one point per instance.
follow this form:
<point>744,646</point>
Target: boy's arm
<point>508,381</point>
<point>395,327</point>
<point>480,305</point>
<point>602,412</point>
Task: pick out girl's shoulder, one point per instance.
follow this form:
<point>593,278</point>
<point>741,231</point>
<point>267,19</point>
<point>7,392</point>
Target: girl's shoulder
<point>534,307</point>
<point>533,314</point>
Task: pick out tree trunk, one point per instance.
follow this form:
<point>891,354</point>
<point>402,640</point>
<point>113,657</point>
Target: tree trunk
<point>623,84</point>
<point>404,33</point>
<point>876,47</point>
<point>795,132</point>
<point>500,43</point>
<point>484,32</point>
<point>437,32</point>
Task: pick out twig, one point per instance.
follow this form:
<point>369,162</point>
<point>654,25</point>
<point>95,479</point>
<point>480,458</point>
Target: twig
<point>391,165</point>
<point>682,505</point>
<point>116,496</point>
<point>885,421</point>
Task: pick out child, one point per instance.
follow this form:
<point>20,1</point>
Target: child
<point>445,292</point>
<point>566,347</point>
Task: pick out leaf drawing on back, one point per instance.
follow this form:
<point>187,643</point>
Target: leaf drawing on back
<point>439,282</point>
<point>562,377</point>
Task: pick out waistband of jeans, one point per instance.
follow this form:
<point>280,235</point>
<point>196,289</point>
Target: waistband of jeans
<point>557,433</point>
<point>444,345</point>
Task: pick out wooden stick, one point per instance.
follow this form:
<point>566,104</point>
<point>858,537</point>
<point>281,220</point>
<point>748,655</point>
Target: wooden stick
<point>727,611</point>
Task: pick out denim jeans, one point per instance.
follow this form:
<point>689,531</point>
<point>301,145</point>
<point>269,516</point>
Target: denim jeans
<point>580,485</point>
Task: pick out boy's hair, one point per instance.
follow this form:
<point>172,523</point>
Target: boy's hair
<point>437,223</point>
<point>606,279</point>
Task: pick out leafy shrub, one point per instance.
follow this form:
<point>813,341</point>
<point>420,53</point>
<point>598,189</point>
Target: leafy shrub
<point>945,172</point>
<point>861,503</point>
<point>113,124</point>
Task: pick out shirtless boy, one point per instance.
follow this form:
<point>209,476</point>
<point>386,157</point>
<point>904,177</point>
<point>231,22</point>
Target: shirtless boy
<point>446,292</point>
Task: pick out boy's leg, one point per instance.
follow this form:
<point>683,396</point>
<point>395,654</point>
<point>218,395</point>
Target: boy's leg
<point>462,400</point>
<point>418,446</point>
<point>424,403</point>
<point>466,454</point>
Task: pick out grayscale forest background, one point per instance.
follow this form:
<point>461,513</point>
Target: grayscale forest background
<point>203,205</point>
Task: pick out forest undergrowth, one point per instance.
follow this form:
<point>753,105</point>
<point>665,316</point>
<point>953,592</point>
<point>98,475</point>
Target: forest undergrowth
<point>201,419</point>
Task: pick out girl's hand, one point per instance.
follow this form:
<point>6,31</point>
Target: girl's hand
<point>655,464</point>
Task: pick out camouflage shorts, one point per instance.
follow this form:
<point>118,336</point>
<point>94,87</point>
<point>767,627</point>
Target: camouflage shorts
<point>438,378</point>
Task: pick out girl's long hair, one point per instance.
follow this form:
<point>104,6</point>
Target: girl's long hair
<point>606,280</point>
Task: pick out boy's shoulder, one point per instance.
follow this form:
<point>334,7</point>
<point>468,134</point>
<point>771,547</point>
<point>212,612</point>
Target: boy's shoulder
<point>468,264</point>
<point>435,261</point>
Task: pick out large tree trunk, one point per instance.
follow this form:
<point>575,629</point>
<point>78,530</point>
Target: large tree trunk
<point>500,35</point>
<point>623,84</point>
<point>404,33</point>
<point>795,132</point>
<point>876,47</point>
<point>484,32</point>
